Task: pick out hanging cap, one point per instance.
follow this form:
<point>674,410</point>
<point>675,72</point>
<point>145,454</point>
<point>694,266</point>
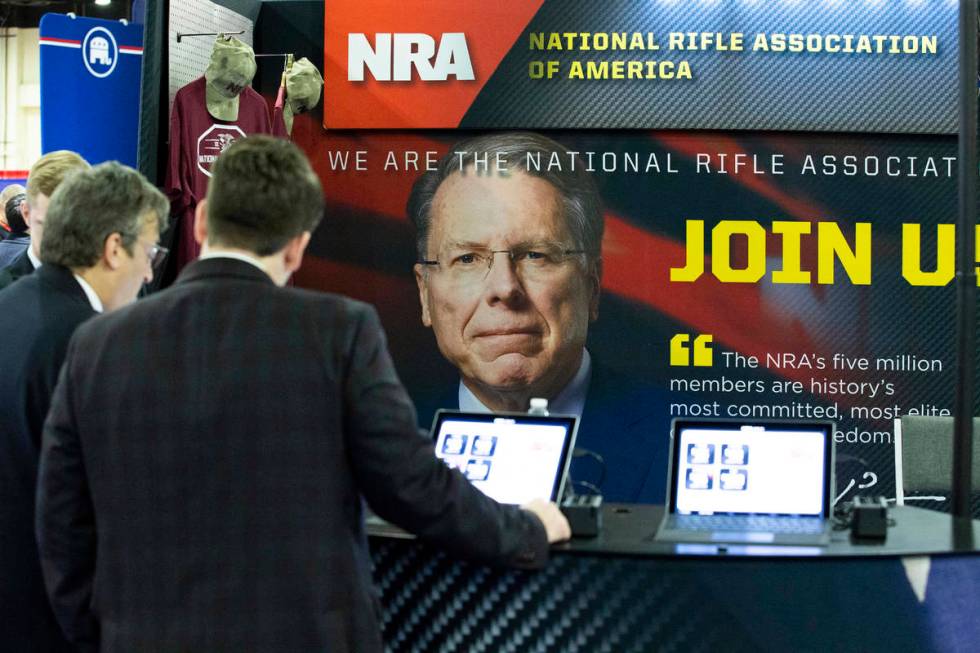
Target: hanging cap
<point>303,85</point>
<point>231,69</point>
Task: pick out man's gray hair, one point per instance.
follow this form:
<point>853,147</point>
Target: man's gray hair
<point>90,205</point>
<point>579,195</point>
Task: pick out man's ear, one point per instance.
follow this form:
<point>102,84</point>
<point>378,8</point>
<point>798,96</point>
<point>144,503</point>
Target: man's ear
<point>293,255</point>
<point>423,284</point>
<point>595,278</point>
<point>201,222</point>
<point>25,211</point>
<point>112,251</point>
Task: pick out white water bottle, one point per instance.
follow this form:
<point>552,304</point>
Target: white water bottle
<point>539,406</point>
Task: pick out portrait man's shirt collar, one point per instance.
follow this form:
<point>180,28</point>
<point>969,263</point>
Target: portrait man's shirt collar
<point>570,401</point>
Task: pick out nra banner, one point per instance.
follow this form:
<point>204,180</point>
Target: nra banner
<point>739,275</point>
<point>754,266</point>
<point>825,66</point>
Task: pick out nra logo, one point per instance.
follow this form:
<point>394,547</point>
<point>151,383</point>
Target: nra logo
<point>393,56</point>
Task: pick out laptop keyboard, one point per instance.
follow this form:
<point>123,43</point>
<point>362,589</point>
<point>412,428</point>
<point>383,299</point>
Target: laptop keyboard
<point>749,523</point>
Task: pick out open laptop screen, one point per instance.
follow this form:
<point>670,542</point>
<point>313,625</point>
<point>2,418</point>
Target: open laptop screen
<point>512,458</point>
<point>761,468</point>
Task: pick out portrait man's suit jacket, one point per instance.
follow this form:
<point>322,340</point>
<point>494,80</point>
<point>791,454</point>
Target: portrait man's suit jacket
<point>627,422</point>
<point>37,319</point>
<point>203,465</point>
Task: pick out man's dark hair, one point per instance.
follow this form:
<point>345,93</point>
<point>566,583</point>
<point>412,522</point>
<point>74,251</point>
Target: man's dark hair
<point>579,195</point>
<point>92,204</point>
<point>263,193</point>
<point>15,219</point>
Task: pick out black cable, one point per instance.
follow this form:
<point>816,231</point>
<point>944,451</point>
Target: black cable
<point>588,486</point>
<point>581,452</point>
<point>843,516</point>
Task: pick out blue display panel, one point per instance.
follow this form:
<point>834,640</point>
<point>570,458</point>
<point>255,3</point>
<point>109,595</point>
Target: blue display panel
<point>90,87</point>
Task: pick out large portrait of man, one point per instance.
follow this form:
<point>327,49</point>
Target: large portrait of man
<point>509,231</point>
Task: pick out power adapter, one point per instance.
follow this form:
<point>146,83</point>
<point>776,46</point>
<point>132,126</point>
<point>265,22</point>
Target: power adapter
<point>869,518</point>
<point>584,514</point>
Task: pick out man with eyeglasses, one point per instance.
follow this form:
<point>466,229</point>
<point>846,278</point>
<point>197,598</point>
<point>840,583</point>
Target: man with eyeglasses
<point>509,273</point>
<point>101,229</point>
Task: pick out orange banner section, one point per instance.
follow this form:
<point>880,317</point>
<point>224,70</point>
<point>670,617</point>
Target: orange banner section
<point>394,66</point>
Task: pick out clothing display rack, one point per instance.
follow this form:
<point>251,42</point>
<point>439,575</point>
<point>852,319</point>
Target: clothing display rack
<point>182,36</point>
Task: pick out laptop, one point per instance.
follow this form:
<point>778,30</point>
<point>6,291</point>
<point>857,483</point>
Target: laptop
<point>750,482</point>
<point>510,457</point>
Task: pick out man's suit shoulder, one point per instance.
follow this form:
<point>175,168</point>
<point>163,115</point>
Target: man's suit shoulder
<point>40,321</point>
<point>20,267</point>
<point>26,296</point>
<point>328,309</point>
<point>328,300</point>
<point>611,386</point>
<point>626,420</point>
<point>337,310</point>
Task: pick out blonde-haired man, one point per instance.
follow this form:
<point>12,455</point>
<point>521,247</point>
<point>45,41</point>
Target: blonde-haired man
<point>45,176</point>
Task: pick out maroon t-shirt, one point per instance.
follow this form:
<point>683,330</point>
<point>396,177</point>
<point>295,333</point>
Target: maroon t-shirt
<point>196,140</point>
<point>278,121</point>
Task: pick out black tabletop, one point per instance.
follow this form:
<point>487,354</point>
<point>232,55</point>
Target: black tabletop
<point>630,529</point>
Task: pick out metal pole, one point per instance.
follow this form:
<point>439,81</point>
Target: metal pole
<point>182,35</point>
<point>966,279</point>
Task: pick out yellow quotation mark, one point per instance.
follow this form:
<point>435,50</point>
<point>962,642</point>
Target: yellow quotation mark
<point>681,349</point>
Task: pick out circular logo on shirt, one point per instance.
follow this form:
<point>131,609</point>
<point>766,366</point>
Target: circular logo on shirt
<point>213,142</point>
<point>100,52</point>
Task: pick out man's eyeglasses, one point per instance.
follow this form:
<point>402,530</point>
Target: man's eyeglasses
<point>532,262</point>
<point>157,255</point>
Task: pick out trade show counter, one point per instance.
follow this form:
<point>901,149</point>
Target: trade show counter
<point>624,591</point>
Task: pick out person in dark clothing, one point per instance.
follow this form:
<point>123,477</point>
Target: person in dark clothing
<point>183,506</point>
<point>10,191</point>
<point>18,239</point>
<point>102,225</point>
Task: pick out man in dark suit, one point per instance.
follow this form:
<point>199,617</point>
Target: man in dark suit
<point>20,266</point>
<point>509,278</point>
<point>18,239</point>
<point>101,224</point>
<point>207,448</point>
<point>45,176</point>
<point>9,192</point>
